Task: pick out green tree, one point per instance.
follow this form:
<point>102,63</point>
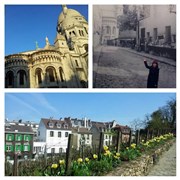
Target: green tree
<point>127,21</point>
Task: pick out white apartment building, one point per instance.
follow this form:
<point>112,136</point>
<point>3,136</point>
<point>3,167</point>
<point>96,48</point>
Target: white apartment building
<point>55,134</point>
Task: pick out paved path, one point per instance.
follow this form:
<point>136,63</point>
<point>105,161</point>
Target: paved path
<point>116,67</point>
<point>166,166</point>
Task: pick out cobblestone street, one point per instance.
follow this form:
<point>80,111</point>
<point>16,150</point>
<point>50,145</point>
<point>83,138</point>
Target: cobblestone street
<point>117,67</point>
<point>166,165</point>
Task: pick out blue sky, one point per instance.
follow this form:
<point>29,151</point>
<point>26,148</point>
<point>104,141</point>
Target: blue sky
<point>26,24</point>
<point>122,107</point>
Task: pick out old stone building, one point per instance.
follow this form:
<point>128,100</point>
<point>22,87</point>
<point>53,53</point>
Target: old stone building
<point>61,65</point>
<point>161,30</point>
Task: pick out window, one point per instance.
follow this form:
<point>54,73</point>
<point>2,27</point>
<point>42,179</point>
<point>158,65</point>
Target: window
<point>50,71</point>
<point>155,34</point>
<point>66,134</point>
<point>58,125</point>
<point>9,137</point>
<point>38,133</point>
<point>74,33</point>
<point>76,63</point>
<point>60,150</point>
<point>18,147</point>
<point>27,137</point>
<point>52,150</point>
<point>18,137</point>
<point>82,33</point>
<point>59,134</point>
<point>86,30</point>
<point>38,76</point>
<point>26,147</point>
<point>61,74</point>
<point>168,34</point>
<point>51,125</point>
<point>22,77</point>
<point>9,79</point>
<point>9,148</point>
<point>65,126</point>
<point>87,136</point>
<point>51,133</point>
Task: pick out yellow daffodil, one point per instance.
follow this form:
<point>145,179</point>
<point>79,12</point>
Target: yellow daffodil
<point>54,166</point>
<point>61,162</point>
<point>118,154</point>
<point>116,157</point>
<point>107,153</point>
<point>79,160</point>
<point>133,145</point>
<point>86,159</point>
<point>127,148</point>
<point>105,148</point>
<point>95,156</point>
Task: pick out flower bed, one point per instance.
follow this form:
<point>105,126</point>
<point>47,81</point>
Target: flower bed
<point>143,156</point>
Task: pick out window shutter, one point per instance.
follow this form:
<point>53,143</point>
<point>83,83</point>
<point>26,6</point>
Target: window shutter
<point>12,137</point>
<point>12,148</point>
<point>5,147</point>
<point>29,147</point>
<point>29,137</point>
<point>21,148</point>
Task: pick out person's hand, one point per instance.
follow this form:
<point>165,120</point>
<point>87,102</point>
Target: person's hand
<point>144,60</point>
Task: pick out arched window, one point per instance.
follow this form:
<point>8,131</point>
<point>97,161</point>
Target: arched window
<point>74,33</point>
<point>9,79</point>
<point>21,77</point>
<point>86,30</point>
<point>38,76</point>
<point>50,71</point>
<point>76,61</point>
<point>80,32</point>
<point>61,74</point>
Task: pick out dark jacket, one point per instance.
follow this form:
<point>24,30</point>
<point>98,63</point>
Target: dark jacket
<point>153,77</point>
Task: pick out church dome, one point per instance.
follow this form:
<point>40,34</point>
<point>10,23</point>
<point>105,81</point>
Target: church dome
<point>69,13</point>
<point>70,17</point>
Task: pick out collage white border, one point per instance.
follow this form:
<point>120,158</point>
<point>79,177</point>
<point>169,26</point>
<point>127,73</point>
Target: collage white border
<point>90,89</point>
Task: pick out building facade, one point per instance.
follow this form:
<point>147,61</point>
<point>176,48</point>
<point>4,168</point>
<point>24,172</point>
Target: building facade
<point>55,135</point>
<point>31,124</point>
<point>18,142</point>
<point>158,26</point>
<point>82,137</point>
<point>61,65</point>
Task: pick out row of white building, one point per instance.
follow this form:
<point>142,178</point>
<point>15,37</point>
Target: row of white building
<point>51,135</point>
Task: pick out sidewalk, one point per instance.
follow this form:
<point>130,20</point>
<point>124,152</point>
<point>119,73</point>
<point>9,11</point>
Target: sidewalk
<point>166,165</point>
<point>170,62</point>
<point>164,60</point>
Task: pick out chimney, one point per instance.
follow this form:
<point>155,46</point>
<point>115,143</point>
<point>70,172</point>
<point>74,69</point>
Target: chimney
<point>85,121</point>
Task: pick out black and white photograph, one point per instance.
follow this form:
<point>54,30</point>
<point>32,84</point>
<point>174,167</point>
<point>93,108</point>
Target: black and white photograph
<point>134,46</point>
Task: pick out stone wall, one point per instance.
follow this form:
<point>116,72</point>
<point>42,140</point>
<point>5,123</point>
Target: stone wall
<point>142,165</point>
